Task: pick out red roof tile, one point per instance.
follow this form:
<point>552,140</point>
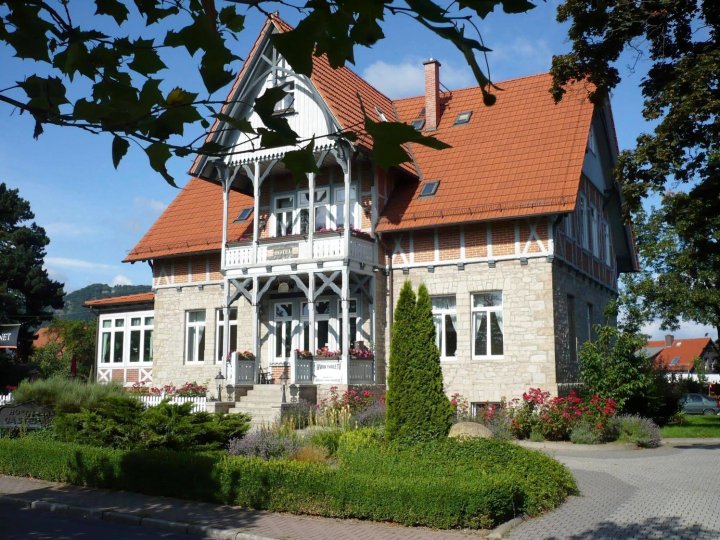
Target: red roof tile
<point>685,350</point>
<point>523,156</point>
<point>139,298</point>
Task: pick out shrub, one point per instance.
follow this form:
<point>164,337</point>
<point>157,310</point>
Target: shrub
<point>417,407</point>
<point>497,419</point>
<point>265,443</point>
<point>640,431</point>
<point>68,395</point>
<point>587,432</point>
<point>445,484</point>
<point>373,415</point>
<point>117,422</point>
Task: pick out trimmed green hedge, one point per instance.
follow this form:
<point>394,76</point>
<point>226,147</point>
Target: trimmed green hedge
<point>447,484</point>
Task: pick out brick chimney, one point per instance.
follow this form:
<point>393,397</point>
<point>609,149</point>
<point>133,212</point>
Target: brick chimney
<point>669,338</point>
<point>432,94</point>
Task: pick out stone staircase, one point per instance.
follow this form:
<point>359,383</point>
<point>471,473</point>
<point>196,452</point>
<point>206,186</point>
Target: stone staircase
<point>262,403</point>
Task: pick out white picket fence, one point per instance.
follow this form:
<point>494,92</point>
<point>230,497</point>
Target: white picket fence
<point>199,403</point>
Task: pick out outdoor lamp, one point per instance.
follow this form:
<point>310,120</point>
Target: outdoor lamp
<point>284,379</point>
<point>219,380</point>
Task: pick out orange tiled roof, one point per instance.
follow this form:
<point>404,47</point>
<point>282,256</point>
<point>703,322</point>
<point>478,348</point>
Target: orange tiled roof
<point>192,223</point>
<point>522,156</point>
<point>139,298</point>
<point>685,350</point>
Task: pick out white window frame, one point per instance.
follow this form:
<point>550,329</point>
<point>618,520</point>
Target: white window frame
<point>283,329</point>
<point>196,356</point>
<point>441,327</point>
<point>353,314</point>
<point>569,225</point>
<point>487,310</point>
<point>592,142</point>
<point>583,236</point>
<point>290,211</point>
<point>594,231</point>
<point>322,202</point>
<point>113,330</point>
<point>305,318</point>
<point>220,329</point>
<point>607,244</point>
<point>339,207</point>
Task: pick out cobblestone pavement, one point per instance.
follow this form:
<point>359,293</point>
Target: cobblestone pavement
<point>672,492</point>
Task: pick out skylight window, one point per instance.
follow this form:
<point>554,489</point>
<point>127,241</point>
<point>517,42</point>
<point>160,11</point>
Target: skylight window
<point>381,115</point>
<point>244,214</point>
<point>463,118</point>
<point>429,188</point>
<point>418,124</point>
<point>675,361</point>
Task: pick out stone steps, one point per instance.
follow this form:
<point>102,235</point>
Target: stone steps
<point>262,403</point>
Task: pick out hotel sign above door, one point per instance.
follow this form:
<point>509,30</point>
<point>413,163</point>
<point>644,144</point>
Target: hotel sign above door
<point>286,251</point>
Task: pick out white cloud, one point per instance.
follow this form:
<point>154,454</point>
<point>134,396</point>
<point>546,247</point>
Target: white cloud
<point>67,262</point>
<point>156,206</point>
<point>521,56</point>
<point>686,330</point>
<point>407,78</point>
<point>62,229</point>
<point>121,280</point>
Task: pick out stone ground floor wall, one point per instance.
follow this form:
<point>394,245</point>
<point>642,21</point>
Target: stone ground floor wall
<point>170,365</point>
<point>579,305</point>
<point>528,358</point>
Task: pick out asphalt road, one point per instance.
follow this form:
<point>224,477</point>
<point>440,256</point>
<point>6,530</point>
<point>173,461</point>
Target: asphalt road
<point>22,524</point>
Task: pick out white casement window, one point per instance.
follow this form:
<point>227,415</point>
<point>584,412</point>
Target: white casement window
<point>592,142</point>
<point>322,325</point>
<point>287,104</point>
<point>195,336</point>
<point>487,321</point>
<point>284,215</point>
<point>220,332</point>
<point>583,235</point>
<point>282,330</point>
<point>126,338</point>
<point>444,313</point>
<point>354,311</point>
<point>339,207</point>
<point>322,210</point>
<point>606,243</point>
<point>589,320</point>
<point>141,339</point>
<point>594,231</point>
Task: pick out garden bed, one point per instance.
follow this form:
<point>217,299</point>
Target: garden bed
<point>445,484</point>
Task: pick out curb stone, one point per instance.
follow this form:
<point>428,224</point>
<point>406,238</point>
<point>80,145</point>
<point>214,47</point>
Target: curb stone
<point>131,519</point>
<point>501,530</point>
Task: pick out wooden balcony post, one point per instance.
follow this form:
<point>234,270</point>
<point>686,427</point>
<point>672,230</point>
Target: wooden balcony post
<point>256,210</point>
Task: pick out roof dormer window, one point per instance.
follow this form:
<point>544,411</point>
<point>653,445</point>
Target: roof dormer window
<point>463,118</point>
<point>244,214</point>
<point>429,188</point>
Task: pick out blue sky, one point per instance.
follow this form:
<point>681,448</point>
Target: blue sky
<point>94,214</point>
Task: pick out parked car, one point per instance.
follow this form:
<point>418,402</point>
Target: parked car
<point>699,404</point>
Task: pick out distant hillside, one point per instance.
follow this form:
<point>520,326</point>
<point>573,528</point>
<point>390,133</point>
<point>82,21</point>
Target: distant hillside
<point>74,301</point>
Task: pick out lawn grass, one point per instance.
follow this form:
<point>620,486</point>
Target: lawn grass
<point>695,426</point>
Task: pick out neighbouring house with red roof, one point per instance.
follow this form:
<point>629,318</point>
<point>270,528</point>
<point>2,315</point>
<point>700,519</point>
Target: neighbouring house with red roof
<point>673,355</point>
<point>516,231</point>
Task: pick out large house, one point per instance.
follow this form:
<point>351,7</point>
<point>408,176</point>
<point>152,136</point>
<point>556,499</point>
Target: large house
<point>516,230</point>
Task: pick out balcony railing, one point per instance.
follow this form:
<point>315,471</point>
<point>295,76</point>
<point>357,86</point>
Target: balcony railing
<point>298,248</point>
<point>319,370</point>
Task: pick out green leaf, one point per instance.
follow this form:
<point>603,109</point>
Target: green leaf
<point>230,18</point>
<point>388,138</point>
<point>265,109</point>
<point>113,8</point>
<point>302,161</point>
<point>30,36</point>
<point>119,149</point>
<point>146,59</point>
<point>213,73</point>
<point>241,124</point>
<point>153,13</point>
<point>158,154</point>
<point>178,96</point>
<point>297,48</point>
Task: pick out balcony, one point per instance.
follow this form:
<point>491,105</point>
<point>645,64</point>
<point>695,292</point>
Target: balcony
<point>325,246</point>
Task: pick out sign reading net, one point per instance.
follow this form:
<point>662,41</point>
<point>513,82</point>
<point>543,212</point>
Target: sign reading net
<point>9,336</point>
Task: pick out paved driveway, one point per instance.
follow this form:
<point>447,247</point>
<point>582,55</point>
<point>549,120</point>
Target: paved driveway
<point>668,492</point>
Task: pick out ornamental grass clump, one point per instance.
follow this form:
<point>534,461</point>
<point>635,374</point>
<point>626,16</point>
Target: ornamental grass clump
<point>265,443</point>
<point>639,431</point>
<point>68,395</point>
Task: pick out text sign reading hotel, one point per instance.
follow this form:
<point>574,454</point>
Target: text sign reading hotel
<point>286,251</point>
<point>9,336</point>
<point>27,415</point>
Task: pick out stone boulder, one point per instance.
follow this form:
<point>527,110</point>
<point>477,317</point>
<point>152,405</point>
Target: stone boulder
<point>470,430</point>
